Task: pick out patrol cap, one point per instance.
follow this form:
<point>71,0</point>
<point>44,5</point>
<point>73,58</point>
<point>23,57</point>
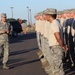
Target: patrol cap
<point>3,15</point>
<point>36,15</point>
<point>50,11</point>
<point>59,12</point>
<point>66,11</point>
<point>40,13</point>
<point>72,10</point>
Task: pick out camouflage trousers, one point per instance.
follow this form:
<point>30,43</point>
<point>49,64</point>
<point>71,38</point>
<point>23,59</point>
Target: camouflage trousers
<point>55,60</point>
<point>38,39</point>
<point>44,46</point>
<point>4,47</point>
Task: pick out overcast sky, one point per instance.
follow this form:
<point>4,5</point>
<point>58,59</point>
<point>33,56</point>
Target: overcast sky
<point>20,6</point>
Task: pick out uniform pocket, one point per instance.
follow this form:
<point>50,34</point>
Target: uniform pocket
<point>2,42</point>
<point>57,51</point>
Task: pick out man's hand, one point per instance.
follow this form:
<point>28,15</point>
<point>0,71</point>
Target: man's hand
<point>3,31</point>
<point>65,47</point>
<point>7,31</point>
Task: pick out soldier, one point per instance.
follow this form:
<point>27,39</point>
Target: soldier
<point>42,24</point>
<point>37,27</point>
<point>46,44</point>
<point>73,29</point>
<point>61,21</point>
<point>69,41</point>
<point>4,42</point>
<point>64,26</point>
<point>41,30</point>
<point>55,44</point>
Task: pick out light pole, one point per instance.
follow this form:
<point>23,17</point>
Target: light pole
<point>28,14</point>
<point>11,11</point>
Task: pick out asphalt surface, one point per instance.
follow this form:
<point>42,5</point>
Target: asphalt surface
<point>23,58</point>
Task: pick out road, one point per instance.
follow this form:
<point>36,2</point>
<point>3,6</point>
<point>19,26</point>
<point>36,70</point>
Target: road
<point>23,58</point>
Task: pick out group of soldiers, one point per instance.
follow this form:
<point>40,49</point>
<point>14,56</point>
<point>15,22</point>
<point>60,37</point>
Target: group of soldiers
<point>66,20</point>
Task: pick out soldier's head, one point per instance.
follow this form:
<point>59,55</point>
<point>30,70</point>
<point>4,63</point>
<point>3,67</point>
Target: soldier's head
<point>68,13</point>
<point>36,16</point>
<point>40,16</point>
<point>51,14</point>
<point>59,14</point>
<point>20,21</point>
<point>72,13</point>
<point>64,15</point>
<point>44,15</point>
<point>3,17</point>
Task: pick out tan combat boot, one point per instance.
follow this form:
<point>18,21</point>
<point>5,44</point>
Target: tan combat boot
<point>5,66</point>
<point>40,54</point>
<point>43,61</point>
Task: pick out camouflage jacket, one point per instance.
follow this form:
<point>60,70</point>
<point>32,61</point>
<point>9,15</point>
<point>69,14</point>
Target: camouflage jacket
<point>4,26</point>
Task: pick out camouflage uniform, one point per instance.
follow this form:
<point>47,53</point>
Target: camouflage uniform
<point>73,32</point>
<point>5,29</point>
<point>38,35</point>
<point>4,45</point>
<point>55,50</point>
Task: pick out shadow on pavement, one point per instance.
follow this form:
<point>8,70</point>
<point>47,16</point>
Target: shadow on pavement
<point>23,63</point>
<point>21,51</point>
<point>14,60</point>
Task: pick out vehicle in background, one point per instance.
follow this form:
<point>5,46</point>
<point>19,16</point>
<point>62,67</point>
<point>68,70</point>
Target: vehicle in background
<point>17,28</point>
